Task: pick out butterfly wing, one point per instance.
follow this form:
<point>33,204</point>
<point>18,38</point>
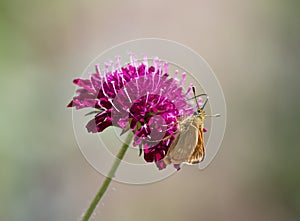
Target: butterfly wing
<point>199,151</point>
<point>183,149</point>
<point>167,159</point>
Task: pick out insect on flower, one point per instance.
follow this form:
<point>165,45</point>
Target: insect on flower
<point>139,97</point>
<point>188,146</point>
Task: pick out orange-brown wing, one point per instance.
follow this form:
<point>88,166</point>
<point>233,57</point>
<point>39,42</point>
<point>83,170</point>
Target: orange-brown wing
<point>199,151</point>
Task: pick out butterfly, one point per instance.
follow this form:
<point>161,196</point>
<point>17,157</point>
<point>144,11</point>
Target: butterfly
<point>188,146</point>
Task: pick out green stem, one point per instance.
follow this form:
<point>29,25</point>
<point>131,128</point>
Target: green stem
<point>108,179</point>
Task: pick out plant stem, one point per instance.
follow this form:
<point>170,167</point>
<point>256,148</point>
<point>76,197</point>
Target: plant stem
<point>108,179</point>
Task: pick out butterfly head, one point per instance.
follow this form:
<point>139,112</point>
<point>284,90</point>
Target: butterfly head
<point>200,112</point>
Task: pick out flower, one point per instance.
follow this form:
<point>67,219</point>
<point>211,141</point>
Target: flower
<point>139,97</point>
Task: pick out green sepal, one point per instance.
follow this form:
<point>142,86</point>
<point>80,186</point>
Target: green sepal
<point>126,128</point>
<point>93,112</point>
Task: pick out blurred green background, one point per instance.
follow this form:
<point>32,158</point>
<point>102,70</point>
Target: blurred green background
<point>253,47</point>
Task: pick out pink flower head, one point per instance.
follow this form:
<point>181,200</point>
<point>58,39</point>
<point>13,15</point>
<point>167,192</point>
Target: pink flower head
<point>145,100</point>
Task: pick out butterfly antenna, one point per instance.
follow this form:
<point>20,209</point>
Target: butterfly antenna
<point>194,92</point>
<point>215,115</point>
<point>200,95</point>
<point>205,102</point>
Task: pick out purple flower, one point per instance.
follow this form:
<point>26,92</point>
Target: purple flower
<point>136,97</point>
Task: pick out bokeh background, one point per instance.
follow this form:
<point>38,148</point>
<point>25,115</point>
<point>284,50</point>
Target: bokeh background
<point>253,47</point>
